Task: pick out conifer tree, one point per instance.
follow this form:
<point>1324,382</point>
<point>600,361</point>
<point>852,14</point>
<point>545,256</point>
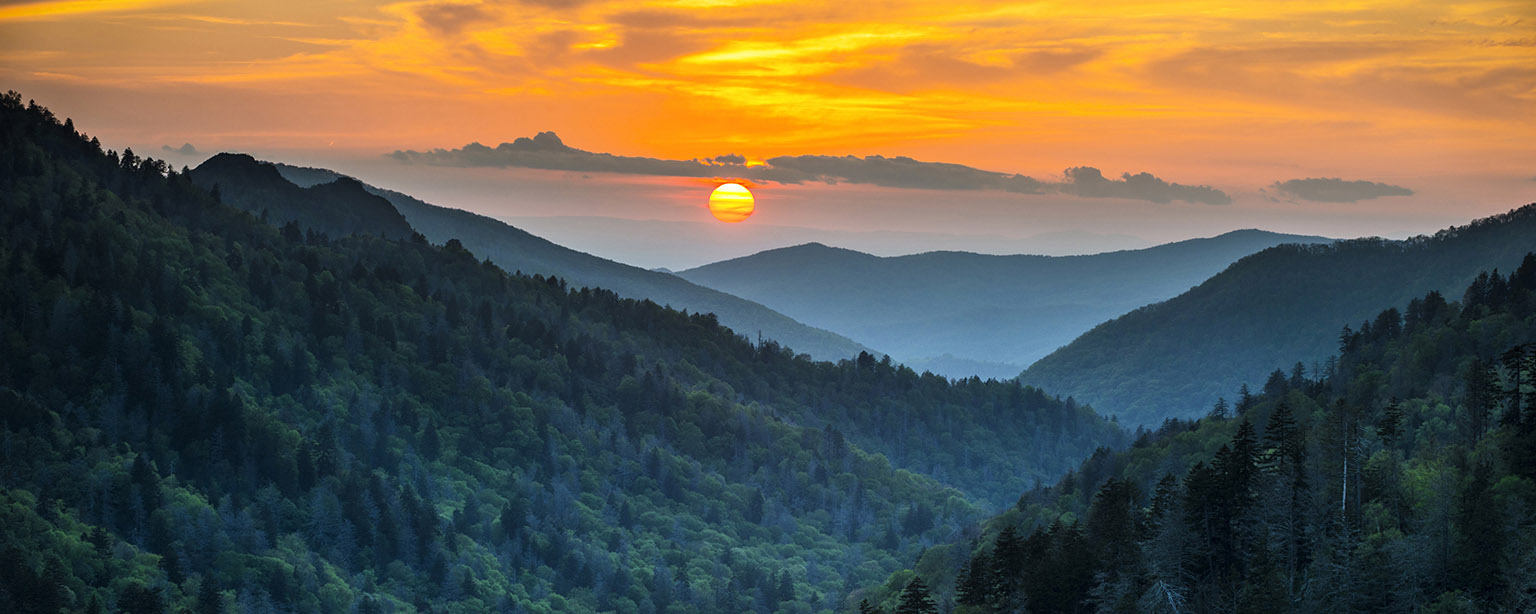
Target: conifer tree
<point>1008,561</point>
<point>916,599</point>
<point>1480,540</point>
<point>973,586</point>
<point>209,601</point>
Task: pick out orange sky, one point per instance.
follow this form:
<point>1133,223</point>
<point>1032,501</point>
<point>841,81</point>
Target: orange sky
<point>1232,93</point>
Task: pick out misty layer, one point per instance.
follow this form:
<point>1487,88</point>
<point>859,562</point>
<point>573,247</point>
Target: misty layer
<point>547,152</point>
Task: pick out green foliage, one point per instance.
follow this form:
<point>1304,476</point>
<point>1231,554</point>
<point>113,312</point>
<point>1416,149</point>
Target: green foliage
<point>514,249</point>
<point>203,412</point>
<point>1276,307</point>
<point>967,433</point>
<point>1399,481</point>
<point>915,599</point>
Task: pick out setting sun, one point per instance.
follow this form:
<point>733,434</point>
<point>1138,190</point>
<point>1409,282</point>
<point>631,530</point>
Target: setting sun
<point>731,202</point>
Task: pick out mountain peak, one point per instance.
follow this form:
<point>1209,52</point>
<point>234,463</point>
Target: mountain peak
<point>241,163</point>
<point>340,207</point>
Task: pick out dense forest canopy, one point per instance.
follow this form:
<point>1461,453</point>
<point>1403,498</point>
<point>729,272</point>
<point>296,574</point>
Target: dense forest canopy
<point>203,412</point>
<point>514,249</point>
<point>1401,478</point>
<point>1279,306</point>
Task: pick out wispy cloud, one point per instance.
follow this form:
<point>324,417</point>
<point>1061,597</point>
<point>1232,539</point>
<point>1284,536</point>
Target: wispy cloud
<point>451,18</point>
<point>58,9</point>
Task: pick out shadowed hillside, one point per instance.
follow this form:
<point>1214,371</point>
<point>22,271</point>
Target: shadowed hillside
<point>1400,481</point>
<point>516,250</point>
<point>337,208</point>
<point>1280,306</point>
<point>201,412</point>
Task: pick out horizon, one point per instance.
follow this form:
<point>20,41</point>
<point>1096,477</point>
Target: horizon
<point>256,386</point>
<point>1151,120</point>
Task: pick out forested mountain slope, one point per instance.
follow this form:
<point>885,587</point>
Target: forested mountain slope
<point>203,412</point>
<point>1279,306</point>
<point>1403,479</point>
<point>516,250</point>
<point>338,207</point>
<point>952,310</point>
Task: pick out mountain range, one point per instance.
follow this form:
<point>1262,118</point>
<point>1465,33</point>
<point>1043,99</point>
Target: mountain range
<point>517,250</point>
<point>221,391</point>
<point>1399,480</point>
<point>206,412</point>
<point>965,314</point>
<point>1283,306</point>
<point>678,245</point>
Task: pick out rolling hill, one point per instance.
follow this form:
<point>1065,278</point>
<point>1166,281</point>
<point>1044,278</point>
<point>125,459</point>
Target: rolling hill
<point>1276,307</point>
<point>516,250</point>
<point>1400,481</point>
<point>202,412</point>
<point>965,314</point>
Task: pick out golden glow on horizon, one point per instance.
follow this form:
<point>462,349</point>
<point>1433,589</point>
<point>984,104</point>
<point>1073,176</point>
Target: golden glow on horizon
<point>731,203</point>
<point>1361,88</point>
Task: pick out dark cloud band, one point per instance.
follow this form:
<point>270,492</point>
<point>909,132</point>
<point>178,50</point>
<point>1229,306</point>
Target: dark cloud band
<point>546,151</point>
<point>1335,190</point>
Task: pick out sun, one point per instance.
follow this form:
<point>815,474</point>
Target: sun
<point>731,202</point>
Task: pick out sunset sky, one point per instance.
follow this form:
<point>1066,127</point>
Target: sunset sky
<point>1426,111</point>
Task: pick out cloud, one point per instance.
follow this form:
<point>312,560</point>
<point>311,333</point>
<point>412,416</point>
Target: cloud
<point>1055,60</point>
<point>1089,181</point>
<point>186,149</point>
<point>450,19</point>
<point>904,172</point>
<point>1335,190</point>
<point>546,151</point>
<point>555,4</point>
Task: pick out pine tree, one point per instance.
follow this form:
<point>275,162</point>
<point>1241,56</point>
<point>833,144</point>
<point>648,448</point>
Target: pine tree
<point>1389,428</point>
<point>915,599</point>
<point>1240,466</point>
<point>1481,397</point>
<point>1480,540</point>
<point>1112,526</point>
<point>139,599</point>
<point>1515,367</point>
<point>1008,561</point>
<point>786,589</point>
<point>974,584</point>
<point>1285,513</point>
<point>171,564</point>
<point>209,601</point>
<point>1220,411</point>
